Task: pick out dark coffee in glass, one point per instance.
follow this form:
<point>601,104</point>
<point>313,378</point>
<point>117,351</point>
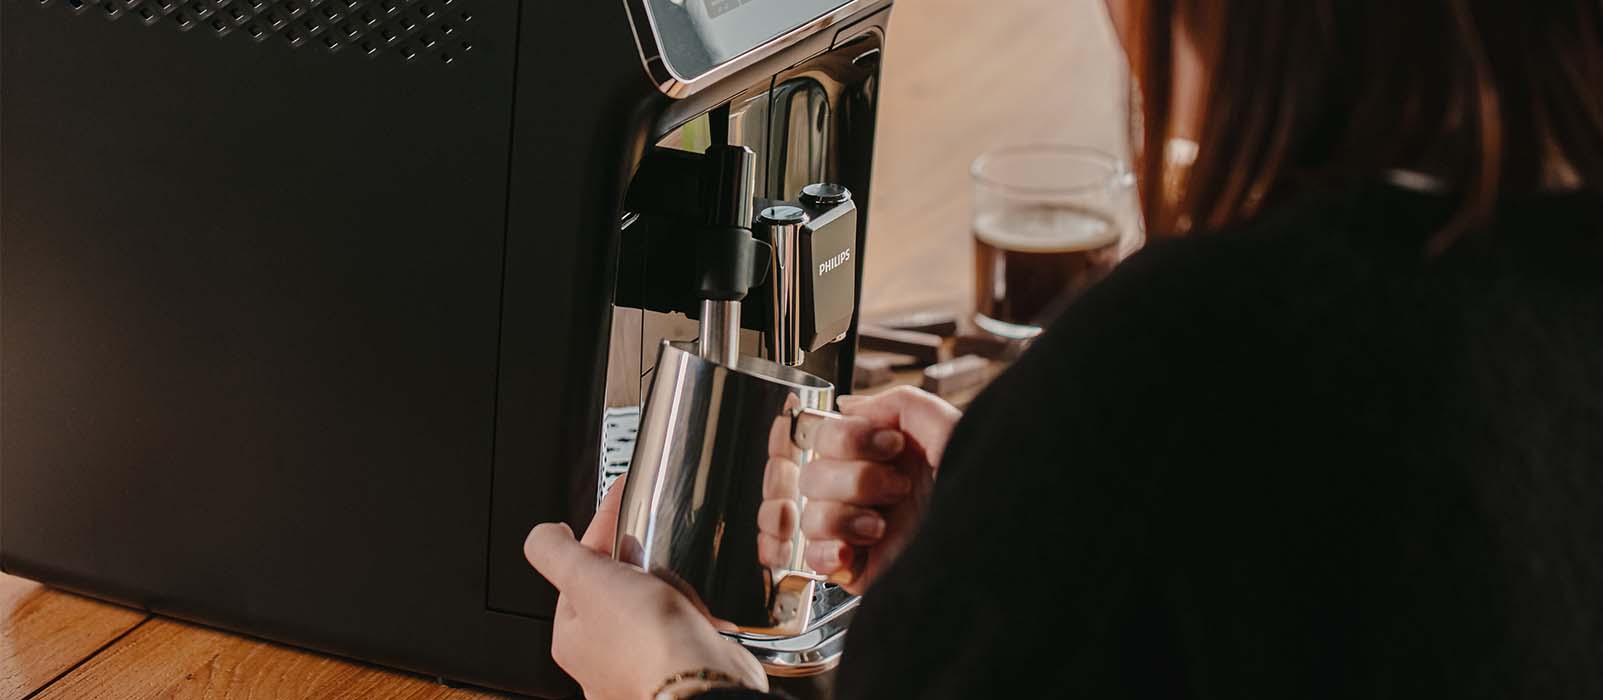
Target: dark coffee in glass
<point>1029,261</point>
<point>1047,224</point>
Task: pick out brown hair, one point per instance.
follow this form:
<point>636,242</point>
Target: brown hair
<point>1485,93</point>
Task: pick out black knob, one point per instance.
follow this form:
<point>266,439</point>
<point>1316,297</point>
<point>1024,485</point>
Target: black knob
<point>825,194</point>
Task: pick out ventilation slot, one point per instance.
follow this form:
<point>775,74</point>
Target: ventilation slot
<point>405,29</point>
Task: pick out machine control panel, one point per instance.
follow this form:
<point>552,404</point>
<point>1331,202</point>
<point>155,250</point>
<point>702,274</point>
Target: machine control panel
<point>695,36</point>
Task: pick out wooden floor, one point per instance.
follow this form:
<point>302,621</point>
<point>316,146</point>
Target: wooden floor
<point>961,77</point>
<point>58,646</point>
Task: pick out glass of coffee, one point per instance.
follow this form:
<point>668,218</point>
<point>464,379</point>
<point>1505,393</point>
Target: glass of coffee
<point>1049,221</point>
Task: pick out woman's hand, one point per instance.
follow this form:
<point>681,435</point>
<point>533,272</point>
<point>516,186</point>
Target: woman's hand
<point>867,486</point>
<point>619,631</point>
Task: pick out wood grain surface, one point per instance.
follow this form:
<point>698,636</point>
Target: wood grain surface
<point>44,632</point>
<point>172,660</point>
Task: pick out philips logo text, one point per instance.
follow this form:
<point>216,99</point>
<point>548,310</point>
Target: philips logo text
<point>837,261</point>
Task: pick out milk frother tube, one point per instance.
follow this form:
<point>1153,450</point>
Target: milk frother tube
<point>783,226</point>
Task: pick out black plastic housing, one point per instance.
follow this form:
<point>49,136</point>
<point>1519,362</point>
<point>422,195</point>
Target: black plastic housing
<point>829,260</point>
<point>304,317</point>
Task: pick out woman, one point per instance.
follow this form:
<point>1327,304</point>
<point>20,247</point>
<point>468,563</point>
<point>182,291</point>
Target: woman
<point>1345,439</point>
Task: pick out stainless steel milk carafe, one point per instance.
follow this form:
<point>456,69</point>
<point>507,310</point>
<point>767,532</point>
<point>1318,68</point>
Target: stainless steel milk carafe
<point>697,481</point>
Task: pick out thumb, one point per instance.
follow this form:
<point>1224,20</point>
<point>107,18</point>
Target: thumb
<point>568,565</point>
<point>604,526</point>
<point>925,418</point>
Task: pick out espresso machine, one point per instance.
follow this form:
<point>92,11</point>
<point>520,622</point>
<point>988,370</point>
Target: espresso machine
<point>698,472</point>
<point>310,309</point>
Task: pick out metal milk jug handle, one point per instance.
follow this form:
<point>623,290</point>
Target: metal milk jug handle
<point>804,425</point>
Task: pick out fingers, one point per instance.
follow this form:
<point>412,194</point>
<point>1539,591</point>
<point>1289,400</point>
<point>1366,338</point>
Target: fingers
<point>857,438</point>
<point>573,568</point>
<point>779,515</point>
<point>603,528</point>
<point>778,518</point>
<point>840,521</point>
<point>840,439</point>
<point>774,551</point>
<point>829,556</point>
<point>925,418</point>
<point>779,444</point>
<point>781,478</point>
<point>863,483</point>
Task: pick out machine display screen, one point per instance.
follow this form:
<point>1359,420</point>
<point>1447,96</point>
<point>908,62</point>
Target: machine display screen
<point>698,35</point>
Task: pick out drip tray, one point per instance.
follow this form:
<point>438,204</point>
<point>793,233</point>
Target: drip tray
<point>620,426</point>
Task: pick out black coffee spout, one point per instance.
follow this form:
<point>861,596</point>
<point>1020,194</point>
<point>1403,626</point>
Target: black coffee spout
<point>729,261</point>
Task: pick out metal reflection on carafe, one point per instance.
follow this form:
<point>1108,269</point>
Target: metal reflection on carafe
<point>698,483</point>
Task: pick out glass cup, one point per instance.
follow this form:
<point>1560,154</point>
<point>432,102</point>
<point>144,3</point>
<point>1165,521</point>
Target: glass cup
<point>1049,221</point>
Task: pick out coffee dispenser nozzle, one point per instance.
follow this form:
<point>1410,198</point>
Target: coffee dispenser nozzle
<point>728,259</point>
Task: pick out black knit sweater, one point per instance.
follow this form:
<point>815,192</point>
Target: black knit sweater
<point>1304,459</point>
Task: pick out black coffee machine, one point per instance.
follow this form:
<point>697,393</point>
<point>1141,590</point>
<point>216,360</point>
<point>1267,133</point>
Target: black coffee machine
<point>310,309</point>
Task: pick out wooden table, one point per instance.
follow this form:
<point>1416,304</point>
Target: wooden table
<point>961,77</point>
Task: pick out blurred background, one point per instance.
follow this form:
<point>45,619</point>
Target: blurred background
<point>962,78</point>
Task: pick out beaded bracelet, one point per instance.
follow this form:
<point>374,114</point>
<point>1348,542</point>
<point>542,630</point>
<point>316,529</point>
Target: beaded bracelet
<point>695,682</point>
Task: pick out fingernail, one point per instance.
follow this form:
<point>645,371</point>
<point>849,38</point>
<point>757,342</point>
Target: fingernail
<point>845,401</point>
<point>830,559</point>
<point>555,528</point>
<point>868,525</point>
<point>888,442</point>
